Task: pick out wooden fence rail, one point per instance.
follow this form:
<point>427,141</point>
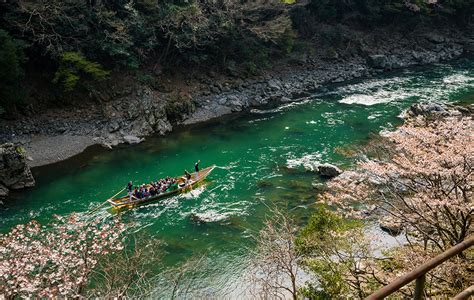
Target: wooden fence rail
<point>419,274</point>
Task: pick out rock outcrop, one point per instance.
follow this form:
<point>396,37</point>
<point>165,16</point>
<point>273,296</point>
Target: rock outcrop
<point>388,225</point>
<point>436,110</point>
<point>14,170</point>
<point>131,139</point>
<point>328,170</point>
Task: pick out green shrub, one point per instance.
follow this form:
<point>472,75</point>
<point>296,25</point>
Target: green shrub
<point>20,150</point>
<point>319,242</point>
<point>251,67</point>
<point>73,65</point>
<point>143,78</point>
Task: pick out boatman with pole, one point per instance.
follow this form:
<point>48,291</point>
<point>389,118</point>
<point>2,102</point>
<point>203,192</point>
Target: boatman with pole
<point>196,169</point>
<point>130,189</point>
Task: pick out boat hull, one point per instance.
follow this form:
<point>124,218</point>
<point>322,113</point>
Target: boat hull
<point>124,202</point>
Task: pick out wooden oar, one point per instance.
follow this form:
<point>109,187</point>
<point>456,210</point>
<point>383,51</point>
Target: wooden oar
<point>105,202</point>
<point>116,194</point>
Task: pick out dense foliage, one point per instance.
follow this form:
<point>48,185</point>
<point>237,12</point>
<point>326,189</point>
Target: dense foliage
<point>11,72</point>
<point>379,10</point>
<point>125,33</point>
<point>221,35</point>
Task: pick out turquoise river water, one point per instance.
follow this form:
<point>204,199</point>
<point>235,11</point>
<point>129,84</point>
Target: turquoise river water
<point>261,157</point>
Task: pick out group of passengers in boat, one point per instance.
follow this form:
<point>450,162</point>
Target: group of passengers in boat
<point>155,188</point>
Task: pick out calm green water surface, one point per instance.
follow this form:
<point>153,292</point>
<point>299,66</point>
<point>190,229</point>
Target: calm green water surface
<point>261,157</point>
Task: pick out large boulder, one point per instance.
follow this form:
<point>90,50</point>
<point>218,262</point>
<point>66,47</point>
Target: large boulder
<point>328,170</point>
<point>388,62</point>
<point>436,110</point>
<point>379,61</point>
<point>388,225</point>
<point>14,170</point>
<point>131,139</point>
<point>427,108</point>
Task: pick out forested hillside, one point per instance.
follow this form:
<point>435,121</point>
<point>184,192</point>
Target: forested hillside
<point>64,46</point>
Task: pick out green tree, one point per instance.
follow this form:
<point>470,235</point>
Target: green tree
<point>11,71</point>
<point>336,252</point>
<point>72,66</point>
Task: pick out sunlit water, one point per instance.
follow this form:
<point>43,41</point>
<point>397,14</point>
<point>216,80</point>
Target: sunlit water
<point>261,158</point>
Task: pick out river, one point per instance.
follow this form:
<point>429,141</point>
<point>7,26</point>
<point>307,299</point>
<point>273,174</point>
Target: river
<point>260,157</point>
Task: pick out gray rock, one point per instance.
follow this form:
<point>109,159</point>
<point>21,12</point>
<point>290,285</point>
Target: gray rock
<point>435,38</point>
<point>390,227</point>
<point>274,85</point>
<point>425,109</point>
<point>378,61</point>
<point>436,110</point>
<point>114,126</point>
<point>328,170</point>
<point>388,62</point>
<point>132,139</point>
<point>3,191</point>
<point>14,170</point>
<point>106,145</point>
<point>163,126</point>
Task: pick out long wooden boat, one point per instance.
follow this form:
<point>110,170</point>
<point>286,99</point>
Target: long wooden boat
<point>183,187</point>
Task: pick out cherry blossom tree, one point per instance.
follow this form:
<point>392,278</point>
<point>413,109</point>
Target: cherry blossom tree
<point>421,183</point>
<point>55,260</point>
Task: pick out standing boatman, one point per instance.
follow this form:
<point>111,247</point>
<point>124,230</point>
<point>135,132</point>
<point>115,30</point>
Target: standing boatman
<point>196,169</point>
<point>130,189</point>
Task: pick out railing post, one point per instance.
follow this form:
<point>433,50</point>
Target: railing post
<point>423,269</point>
<point>420,287</point>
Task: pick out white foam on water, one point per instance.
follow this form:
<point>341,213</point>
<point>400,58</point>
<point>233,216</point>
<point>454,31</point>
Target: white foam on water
<point>280,108</point>
<point>382,96</point>
<point>307,161</point>
<point>396,89</point>
<point>194,193</point>
<point>362,99</point>
<point>261,119</point>
<point>374,116</point>
<point>373,91</point>
<point>457,79</point>
<point>333,121</point>
<point>212,216</point>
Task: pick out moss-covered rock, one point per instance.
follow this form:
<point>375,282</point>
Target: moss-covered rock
<point>14,170</point>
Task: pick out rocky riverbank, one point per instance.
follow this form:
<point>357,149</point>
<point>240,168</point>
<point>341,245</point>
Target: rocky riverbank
<point>127,114</point>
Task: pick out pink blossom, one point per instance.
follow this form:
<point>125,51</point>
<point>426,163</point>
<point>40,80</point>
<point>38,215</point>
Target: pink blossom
<point>45,261</point>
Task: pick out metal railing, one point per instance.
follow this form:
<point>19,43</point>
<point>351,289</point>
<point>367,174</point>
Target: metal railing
<point>419,274</point>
